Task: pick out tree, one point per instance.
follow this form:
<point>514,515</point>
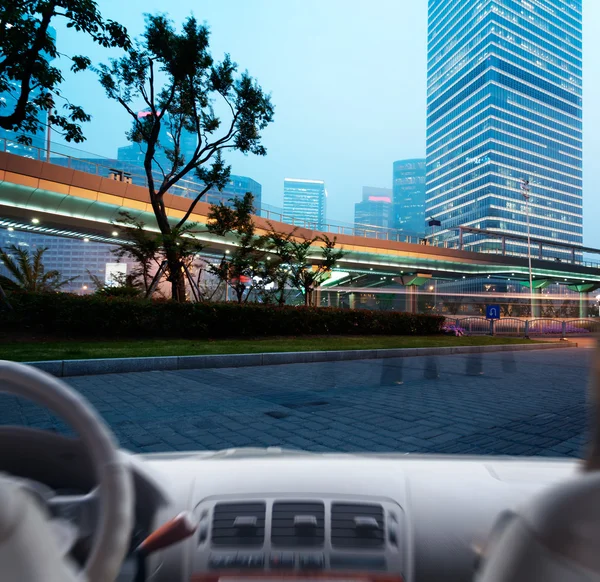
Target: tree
<point>26,47</point>
<point>147,250</point>
<point>143,247</point>
<point>246,267</point>
<point>305,271</point>
<point>28,271</point>
<point>173,75</point>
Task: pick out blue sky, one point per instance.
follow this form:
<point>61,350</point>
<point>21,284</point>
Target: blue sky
<point>348,81</point>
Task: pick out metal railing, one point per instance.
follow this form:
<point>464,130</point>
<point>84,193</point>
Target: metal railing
<point>539,326</point>
<point>76,159</point>
<point>72,158</point>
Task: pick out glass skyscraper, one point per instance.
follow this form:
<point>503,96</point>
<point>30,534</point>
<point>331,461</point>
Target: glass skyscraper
<point>409,196</point>
<point>304,203</point>
<point>375,208</point>
<point>504,96</point>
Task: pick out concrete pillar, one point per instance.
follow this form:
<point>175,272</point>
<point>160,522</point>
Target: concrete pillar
<point>352,300</point>
<point>412,292</point>
<point>584,289</point>
<point>316,297</point>
<point>583,304</point>
<point>536,303</point>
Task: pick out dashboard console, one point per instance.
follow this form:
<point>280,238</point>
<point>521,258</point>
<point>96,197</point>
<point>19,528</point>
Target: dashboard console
<point>291,534</point>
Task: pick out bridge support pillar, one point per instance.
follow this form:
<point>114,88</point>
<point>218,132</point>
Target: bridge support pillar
<point>536,303</point>
<point>411,284</point>
<point>412,294</point>
<point>584,289</point>
<point>352,300</point>
<point>536,295</point>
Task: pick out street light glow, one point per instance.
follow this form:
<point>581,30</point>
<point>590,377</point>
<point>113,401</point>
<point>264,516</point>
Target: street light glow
<point>35,220</point>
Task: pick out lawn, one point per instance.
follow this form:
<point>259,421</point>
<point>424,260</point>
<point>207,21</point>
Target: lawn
<point>43,349</point>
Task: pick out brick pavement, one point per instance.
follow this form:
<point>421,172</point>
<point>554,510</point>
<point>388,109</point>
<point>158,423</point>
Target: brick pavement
<point>529,403</point>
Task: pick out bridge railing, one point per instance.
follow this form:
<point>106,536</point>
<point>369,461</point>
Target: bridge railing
<point>72,158</point>
<point>76,159</point>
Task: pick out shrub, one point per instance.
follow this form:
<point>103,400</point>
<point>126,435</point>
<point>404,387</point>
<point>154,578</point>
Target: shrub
<point>120,291</point>
<point>97,316</point>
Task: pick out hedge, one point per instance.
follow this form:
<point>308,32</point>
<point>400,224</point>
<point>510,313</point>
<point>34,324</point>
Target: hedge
<point>93,316</point>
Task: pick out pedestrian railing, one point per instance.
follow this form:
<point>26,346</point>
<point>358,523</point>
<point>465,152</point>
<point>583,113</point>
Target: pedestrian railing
<point>538,326</point>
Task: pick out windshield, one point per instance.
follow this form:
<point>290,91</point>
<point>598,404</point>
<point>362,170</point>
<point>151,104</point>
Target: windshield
<point>304,225</point>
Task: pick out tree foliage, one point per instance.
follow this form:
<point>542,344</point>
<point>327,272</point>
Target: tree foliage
<point>174,77</point>
<point>269,264</point>
<point>27,47</point>
<point>28,272</point>
<point>307,268</point>
<point>146,249</point>
<point>245,268</point>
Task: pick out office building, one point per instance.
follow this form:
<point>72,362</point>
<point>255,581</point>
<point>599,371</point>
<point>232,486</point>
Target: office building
<point>408,185</point>
<point>71,257</point>
<point>188,186</point>
<point>135,152</point>
<point>504,97</point>
<point>375,209</point>
<point>236,187</point>
<point>304,203</point>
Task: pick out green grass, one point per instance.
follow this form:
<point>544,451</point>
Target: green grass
<point>28,351</point>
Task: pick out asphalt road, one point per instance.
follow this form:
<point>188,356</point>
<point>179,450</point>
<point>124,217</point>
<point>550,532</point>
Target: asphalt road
<point>512,403</point>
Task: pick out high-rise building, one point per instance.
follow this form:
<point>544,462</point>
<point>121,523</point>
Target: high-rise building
<point>135,152</point>
<point>236,187</point>
<point>409,196</point>
<point>375,209</point>
<point>504,97</point>
<point>304,203</point>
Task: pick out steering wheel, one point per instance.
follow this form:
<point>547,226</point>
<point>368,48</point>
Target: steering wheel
<point>24,536</point>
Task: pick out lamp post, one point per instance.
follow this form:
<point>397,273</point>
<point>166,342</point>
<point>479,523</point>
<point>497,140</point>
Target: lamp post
<point>526,189</point>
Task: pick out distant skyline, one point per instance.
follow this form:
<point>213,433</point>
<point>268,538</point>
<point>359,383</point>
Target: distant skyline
<point>348,81</point>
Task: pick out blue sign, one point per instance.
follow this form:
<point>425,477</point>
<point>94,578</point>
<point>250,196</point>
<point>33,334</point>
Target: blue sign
<point>492,312</point>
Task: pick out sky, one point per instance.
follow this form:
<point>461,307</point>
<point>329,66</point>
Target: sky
<point>348,81</point>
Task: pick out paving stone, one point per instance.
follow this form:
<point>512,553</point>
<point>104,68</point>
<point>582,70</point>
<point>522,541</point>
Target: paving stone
<point>537,405</point>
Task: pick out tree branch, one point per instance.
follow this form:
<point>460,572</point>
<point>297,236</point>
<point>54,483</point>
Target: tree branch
<point>192,206</point>
<point>19,113</point>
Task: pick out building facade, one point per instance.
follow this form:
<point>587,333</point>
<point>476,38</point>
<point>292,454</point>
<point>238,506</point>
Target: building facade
<point>408,185</point>
<point>71,257</point>
<point>375,208</point>
<point>504,103</point>
<point>304,203</point>
<point>135,152</point>
<point>236,187</point>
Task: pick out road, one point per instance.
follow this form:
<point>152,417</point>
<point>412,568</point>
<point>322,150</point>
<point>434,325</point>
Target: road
<point>513,403</point>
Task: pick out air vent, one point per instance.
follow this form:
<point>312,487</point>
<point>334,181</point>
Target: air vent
<point>357,525</point>
<point>238,524</point>
<point>298,524</point>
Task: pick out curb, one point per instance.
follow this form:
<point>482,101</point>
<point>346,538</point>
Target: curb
<point>65,368</point>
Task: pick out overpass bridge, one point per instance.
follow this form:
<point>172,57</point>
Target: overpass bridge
<point>39,196</point>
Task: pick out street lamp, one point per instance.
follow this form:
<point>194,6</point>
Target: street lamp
<point>526,189</point>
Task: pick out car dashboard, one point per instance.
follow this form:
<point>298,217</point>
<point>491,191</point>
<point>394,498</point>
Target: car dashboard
<point>271,513</point>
